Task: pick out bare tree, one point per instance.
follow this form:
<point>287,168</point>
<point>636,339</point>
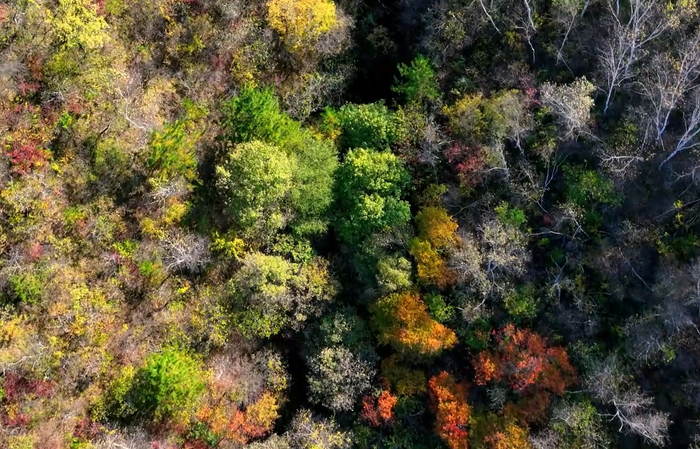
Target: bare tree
<point>691,127</point>
<point>185,251</point>
<point>633,26</point>
<point>566,14</point>
<point>633,409</point>
<point>668,79</point>
<point>570,103</point>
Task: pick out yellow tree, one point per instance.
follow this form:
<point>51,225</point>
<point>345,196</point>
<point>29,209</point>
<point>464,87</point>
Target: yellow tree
<point>301,22</point>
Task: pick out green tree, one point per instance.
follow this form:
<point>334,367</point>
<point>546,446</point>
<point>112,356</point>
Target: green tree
<point>337,378</point>
<point>261,294</point>
<point>168,385</point>
<point>312,186</point>
<point>369,189</point>
<point>371,126</point>
<point>253,180</point>
<point>418,81</point>
<point>255,115</point>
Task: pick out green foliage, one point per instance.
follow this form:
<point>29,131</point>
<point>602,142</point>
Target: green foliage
<point>438,308</point>
<point>171,151</point>
<point>26,288</point>
<point>255,115</point>
<point>370,126</point>
<point>312,192</point>
<point>586,186</point>
<point>510,215</point>
<point>418,81</point>
<point>369,189</point>
<point>522,302</point>
<point>260,293</point>
<point>253,181</point>
<point>168,385</point>
<point>393,274</point>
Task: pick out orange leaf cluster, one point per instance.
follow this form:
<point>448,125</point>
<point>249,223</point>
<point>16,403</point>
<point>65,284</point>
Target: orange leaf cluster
<point>531,368</point>
<point>449,400</point>
<point>436,231</point>
<point>381,411</point>
<point>404,322</point>
<point>228,421</point>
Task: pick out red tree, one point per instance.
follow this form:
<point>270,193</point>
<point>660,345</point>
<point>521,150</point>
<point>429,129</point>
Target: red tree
<point>449,400</point>
<point>529,366</point>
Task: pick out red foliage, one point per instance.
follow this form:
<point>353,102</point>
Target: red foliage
<point>449,400</point>
<point>3,13</point>
<point>468,162</point>
<point>26,156</point>
<point>19,419</point>
<point>530,367</point>
<point>17,388</point>
<point>99,7</point>
<point>379,412</point>
<point>87,429</point>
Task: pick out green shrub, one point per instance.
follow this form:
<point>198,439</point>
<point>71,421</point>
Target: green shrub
<point>586,186</point>
<point>418,81</point>
<point>370,126</point>
<point>522,302</point>
<point>26,288</point>
<point>438,308</point>
<point>168,385</point>
<point>510,215</point>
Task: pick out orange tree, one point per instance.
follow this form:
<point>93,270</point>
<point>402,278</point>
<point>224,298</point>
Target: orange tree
<point>403,321</point>
<point>449,401</point>
<point>531,368</point>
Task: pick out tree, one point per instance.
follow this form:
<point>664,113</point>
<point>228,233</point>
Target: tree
<point>253,181</point>
<point>573,424</point>
<point>254,114</point>
<point>687,139</point>
<point>313,432</point>
<point>261,294</point>
<point>76,24</point>
<point>380,411</point>
<point>168,385</point>
<point>529,366</point>
<point>418,83</point>
<point>301,22</point>
<point>666,80</point>
<point>371,126</point>
<point>337,378</point>
<point>369,193</point>
<point>633,410</point>
<point>566,13</point>
<point>449,400</point>
<point>403,321</point>
<point>631,28</point>
<point>571,105</point>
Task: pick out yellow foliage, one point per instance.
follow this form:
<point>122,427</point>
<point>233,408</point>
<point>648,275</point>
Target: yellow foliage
<point>301,21</point>
<point>76,24</point>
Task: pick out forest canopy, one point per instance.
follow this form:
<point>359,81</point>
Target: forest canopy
<point>335,224</point>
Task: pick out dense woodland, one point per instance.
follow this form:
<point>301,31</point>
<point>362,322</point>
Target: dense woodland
<point>300,224</point>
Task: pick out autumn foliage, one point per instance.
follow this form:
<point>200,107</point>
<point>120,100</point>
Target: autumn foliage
<point>529,366</point>
<point>449,400</point>
<point>380,411</point>
<point>436,232</point>
<point>403,321</point>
